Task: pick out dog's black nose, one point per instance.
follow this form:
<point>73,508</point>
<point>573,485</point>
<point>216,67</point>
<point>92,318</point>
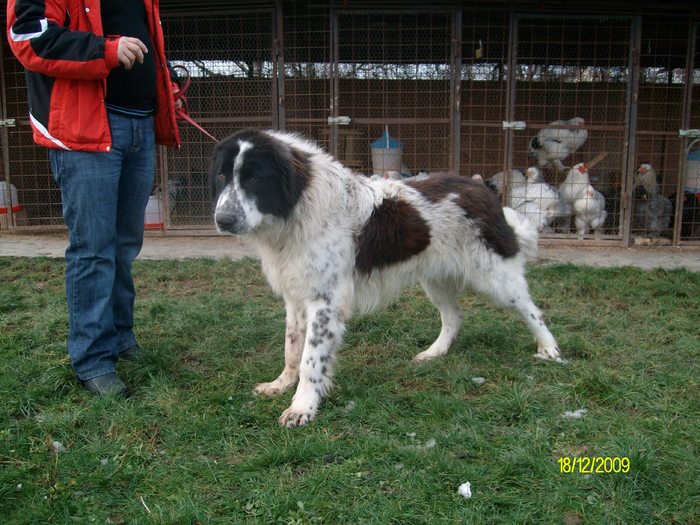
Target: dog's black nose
<point>225,222</point>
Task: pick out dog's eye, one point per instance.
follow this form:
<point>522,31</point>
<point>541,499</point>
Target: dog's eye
<point>220,177</point>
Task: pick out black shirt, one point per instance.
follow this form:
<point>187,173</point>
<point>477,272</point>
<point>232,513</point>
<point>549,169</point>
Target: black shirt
<point>131,92</point>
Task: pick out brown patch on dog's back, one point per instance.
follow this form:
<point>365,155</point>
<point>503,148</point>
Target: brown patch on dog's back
<point>394,232</point>
<point>479,203</point>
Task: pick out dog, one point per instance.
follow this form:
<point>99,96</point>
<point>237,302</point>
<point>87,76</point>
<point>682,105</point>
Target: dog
<point>333,242</point>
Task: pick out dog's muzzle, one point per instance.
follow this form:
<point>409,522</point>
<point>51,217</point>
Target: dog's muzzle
<point>228,215</point>
<point>226,222</point>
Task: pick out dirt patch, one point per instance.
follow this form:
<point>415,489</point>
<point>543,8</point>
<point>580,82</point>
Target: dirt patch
<point>669,257</point>
<point>220,246</point>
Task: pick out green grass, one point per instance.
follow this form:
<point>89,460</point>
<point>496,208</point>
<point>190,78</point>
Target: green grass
<point>194,446</point>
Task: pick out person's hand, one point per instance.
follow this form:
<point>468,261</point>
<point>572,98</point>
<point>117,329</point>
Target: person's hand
<point>130,50</point>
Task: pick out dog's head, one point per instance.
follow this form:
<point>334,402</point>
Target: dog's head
<point>255,177</point>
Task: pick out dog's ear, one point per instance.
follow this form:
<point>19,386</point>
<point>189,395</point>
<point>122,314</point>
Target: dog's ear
<point>297,176</point>
<point>300,161</point>
<point>302,167</point>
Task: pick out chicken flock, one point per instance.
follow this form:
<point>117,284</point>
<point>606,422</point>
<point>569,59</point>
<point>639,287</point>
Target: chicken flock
<point>550,207</point>
<point>553,208</point>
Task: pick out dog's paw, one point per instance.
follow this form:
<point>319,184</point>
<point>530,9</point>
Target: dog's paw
<point>423,357</point>
<point>292,418</point>
<point>550,353</point>
<point>272,389</point>
<point>427,355</point>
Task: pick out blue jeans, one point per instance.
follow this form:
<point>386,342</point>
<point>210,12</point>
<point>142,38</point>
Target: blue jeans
<point>104,198</point>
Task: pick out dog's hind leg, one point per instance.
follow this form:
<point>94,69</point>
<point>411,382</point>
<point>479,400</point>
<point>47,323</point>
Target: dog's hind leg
<point>293,347</point>
<point>507,287</point>
<point>324,333</point>
<point>445,297</point>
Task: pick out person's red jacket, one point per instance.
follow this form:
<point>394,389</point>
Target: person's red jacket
<point>67,59</point>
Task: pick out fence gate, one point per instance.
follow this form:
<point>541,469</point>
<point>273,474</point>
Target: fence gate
<point>393,71</point>
<point>568,67</point>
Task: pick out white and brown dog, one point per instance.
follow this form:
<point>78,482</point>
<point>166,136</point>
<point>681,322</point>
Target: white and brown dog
<point>333,242</point>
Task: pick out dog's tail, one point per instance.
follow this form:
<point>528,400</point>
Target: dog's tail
<point>525,231</point>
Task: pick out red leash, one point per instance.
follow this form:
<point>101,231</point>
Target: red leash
<point>183,111</point>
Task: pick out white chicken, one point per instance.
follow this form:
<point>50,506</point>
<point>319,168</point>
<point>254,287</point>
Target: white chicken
<point>589,211</point>
<point>552,145</point>
<point>534,214</point>
<point>425,174</point>
<point>575,184</point>
<point>531,196</point>
<point>587,204</point>
<point>533,175</point>
<point>515,179</point>
<point>550,203</point>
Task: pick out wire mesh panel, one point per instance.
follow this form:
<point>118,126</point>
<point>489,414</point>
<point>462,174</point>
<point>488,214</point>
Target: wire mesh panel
<point>485,41</point>
<point>307,74</point>
<point>26,166</point>
<point>229,57</point>
<point>572,79</point>
<point>394,75</point>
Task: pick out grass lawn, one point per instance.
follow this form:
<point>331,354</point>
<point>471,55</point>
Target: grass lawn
<point>393,441</point>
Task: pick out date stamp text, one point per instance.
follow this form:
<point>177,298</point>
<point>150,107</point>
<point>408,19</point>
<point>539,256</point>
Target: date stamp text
<point>593,465</point>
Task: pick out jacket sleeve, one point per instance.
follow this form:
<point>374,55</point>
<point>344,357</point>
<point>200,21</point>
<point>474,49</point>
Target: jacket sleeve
<point>39,39</point>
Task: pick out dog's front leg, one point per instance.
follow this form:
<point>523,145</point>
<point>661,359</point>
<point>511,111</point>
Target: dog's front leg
<point>324,333</point>
<point>293,346</point>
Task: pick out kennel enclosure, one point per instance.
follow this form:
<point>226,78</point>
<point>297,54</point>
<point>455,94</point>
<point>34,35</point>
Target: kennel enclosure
<point>464,88</point>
